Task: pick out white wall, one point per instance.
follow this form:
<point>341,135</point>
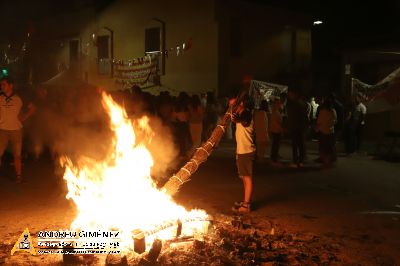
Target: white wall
<point>195,71</point>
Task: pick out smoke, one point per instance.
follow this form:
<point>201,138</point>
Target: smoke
<point>76,125</point>
<point>69,124</point>
<point>162,148</point>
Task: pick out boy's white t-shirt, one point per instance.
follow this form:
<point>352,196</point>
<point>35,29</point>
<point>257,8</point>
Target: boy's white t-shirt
<point>244,138</point>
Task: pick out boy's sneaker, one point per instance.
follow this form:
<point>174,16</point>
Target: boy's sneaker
<point>238,203</point>
<point>242,208</point>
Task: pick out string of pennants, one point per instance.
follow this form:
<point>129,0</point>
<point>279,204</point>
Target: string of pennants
<point>144,70</point>
<point>134,62</point>
<point>178,50</point>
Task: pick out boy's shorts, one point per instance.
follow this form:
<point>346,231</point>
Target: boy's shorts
<point>244,163</point>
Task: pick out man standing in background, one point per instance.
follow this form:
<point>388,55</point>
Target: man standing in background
<point>11,123</point>
<point>359,117</point>
<point>297,118</point>
<point>261,130</point>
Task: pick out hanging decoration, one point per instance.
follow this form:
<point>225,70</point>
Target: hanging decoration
<point>261,90</point>
<point>141,71</point>
<point>380,97</point>
<point>177,50</point>
<point>144,71</point>
<point>18,54</point>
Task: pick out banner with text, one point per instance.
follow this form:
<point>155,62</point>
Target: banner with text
<point>261,90</point>
<point>383,96</point>
<point>142,72</point>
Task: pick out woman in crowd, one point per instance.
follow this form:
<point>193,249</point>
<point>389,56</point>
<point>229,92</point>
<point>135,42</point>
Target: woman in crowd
<point>196,116</point>
<point>276,131</point>
<point>326,127</point>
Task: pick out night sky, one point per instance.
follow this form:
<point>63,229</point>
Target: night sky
<point>350,20</point>
<point>347,25</point>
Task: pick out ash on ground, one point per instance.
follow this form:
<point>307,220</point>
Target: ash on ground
<point>241,241</point>
<point>247,240</point>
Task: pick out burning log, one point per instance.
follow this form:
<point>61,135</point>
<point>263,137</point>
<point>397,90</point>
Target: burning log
<point>155,250</point>
<point>139,236</point>
<point>237,222</point>
<point>179,228</point>
<point>151,257</point>
<point>139,241</point>
<point>178,224</point>
<point>204,151</point>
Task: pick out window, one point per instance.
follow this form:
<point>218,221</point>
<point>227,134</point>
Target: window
<point>102,47</point>
<point>103,54</point>
<point>154,43</point>
<point>152,40</point>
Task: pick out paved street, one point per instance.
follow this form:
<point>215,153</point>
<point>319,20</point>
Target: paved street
<point>355,204</point>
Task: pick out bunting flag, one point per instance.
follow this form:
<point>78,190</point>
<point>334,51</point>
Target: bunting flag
<point>261,90</point>
<point>12,54</point>
<point>178,50</point>
<point>383,96</point>
<point>141,71</point>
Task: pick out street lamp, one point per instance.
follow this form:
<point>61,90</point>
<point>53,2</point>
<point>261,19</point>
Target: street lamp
<point>317,22</point>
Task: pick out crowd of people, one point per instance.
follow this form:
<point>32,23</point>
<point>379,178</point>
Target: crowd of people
<point>48,115</point>
<point>190,120</point>
<point>293,116</point>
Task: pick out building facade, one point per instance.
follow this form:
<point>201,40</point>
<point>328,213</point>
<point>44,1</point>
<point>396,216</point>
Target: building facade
<point>199,46</point>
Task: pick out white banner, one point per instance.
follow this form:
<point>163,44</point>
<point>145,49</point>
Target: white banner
<point>383,96</point>
<point>261,90</point>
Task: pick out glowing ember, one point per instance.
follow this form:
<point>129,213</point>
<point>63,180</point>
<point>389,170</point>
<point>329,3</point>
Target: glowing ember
<point>118,193</point>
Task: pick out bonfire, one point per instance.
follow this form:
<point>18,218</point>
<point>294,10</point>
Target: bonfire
<point>118,193</point>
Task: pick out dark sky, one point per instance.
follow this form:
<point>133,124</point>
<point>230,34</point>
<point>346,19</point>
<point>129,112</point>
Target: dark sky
<point>347,25</point>
<point>350,23</point>
<point>365,16</point>
<point>15,14</point>
<point>359,23</point>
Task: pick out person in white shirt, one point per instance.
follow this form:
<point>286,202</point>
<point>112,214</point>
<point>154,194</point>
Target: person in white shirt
<point>245,153</point>
<point>11,120</point>
<point>314,108</point>
<point>359,116</point>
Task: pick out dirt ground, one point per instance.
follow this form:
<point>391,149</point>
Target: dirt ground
<point>345,215</point>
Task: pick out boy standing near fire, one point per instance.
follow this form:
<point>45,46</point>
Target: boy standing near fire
<point>245,151</point>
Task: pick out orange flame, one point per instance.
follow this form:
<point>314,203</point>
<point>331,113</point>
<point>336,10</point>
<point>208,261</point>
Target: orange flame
<point>118,192</point>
